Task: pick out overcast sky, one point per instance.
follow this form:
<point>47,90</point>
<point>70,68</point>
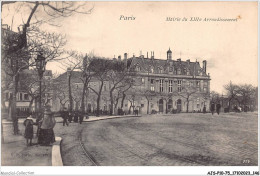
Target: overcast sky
<point>230,48</point>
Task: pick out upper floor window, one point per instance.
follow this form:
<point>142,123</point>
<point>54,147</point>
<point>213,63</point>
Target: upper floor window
<point>142,79</point>
<point>198,85</point>
<point>26,97</point>
<point>170,86</point>
<point>179,85</point>
<point>161,85</point>
<point>152,81</point>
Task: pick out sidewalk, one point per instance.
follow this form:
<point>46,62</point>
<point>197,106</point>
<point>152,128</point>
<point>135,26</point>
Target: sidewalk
<point>16,153</point>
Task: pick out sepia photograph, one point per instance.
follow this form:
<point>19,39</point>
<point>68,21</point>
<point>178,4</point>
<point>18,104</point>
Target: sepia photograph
<point>120,83</point>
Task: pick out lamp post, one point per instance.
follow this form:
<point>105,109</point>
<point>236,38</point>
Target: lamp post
<point>40,66</point>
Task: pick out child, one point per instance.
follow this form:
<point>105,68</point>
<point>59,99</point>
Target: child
<point>28,123</point>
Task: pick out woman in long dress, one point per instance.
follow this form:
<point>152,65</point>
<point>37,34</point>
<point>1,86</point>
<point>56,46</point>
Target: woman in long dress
<point>46,133</point>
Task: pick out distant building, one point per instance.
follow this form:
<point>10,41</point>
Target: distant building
<point>162,86</point>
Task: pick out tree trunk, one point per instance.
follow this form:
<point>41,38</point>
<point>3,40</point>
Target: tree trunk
<point>122,101</point>
<point>166,104</point>
<point>115,109</point>
<point>98,99</point>
<point>111,102</point>
<point>148,106</point>
<point>13,106</point>
<point>83,97</point>
<point>187,110</point>
<point>70,94</point>
<point>30,105</point>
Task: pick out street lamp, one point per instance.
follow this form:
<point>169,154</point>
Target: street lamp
<point>40,66</point>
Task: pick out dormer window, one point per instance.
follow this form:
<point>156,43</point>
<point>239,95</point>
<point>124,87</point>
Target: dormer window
<point>152,70</point>
<point>178,71</point>
<point>188,72</point>
<point>138,68</point>
<point>159,70</point>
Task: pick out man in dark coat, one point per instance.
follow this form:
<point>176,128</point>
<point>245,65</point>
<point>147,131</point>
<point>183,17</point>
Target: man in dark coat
<point>64,115</point>
<point>76,116</point>
<point>81,116</point>
<point>204,109</point>
<point>218,108</point>
<point>212,108</point>
<point>70,117</point>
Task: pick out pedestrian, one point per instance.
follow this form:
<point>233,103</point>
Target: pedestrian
<point>70,117</point>
<point>46,133</point>
<point>218,108</point>
<point>204,109</point>
<point>64,115</point>
<point>28,134</point>
<point>76,116</point>
<point>212,108</point>
<point>81,116</point>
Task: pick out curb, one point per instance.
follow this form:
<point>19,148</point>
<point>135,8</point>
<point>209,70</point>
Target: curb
<point>56,159</point>
<point>105,118</point>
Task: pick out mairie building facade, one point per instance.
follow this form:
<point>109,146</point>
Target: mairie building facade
<point>161,86</point>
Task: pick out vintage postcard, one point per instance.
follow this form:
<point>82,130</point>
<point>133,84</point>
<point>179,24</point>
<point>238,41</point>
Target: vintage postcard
<point>119,83</point>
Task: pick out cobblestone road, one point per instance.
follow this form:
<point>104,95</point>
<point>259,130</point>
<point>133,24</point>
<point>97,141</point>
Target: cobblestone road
<point>157,140</point>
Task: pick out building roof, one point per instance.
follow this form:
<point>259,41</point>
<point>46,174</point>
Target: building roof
<point>166,65</point>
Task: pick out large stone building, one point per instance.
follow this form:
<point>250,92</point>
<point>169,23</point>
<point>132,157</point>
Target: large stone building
<point>162,86</point>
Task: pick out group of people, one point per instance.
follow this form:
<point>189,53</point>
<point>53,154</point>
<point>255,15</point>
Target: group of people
<point>45,125</point>
<point>212,108</point>
<point>76,116</point>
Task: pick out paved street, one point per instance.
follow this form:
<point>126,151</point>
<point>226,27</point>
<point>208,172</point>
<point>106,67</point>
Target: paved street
<point>158,140</point>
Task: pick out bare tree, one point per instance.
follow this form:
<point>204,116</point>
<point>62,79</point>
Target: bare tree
<point>15,62</point>
<point>246,92</point>
<point>42,12</point>
<point>232,92</point>
<point>215,96</point>
<point>187,92</point>
<point>100,68</point>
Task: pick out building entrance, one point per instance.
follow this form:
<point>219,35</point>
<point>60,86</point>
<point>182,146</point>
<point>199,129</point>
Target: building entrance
<point>179,105</point>
<point>161,105</point>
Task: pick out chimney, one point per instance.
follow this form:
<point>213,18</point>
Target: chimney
<point>114,59</point>
<point>147,55</point>
<point>205,66</point>
<point>152,55</point>
<point>188,60</point>
<point>119,58</point>
<point>179,60</point>
<point>142,56</point>
<point>125,56</point>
